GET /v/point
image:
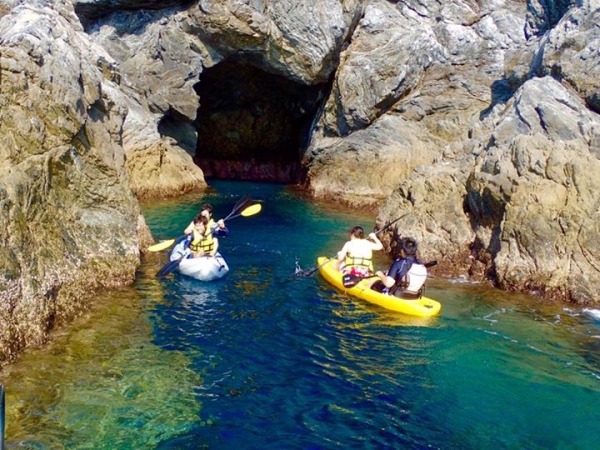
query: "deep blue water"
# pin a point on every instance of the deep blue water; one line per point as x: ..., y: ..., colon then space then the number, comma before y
x: 266, y: 360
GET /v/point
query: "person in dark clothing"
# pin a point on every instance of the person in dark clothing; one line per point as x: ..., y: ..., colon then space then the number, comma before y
x: 406, y: 276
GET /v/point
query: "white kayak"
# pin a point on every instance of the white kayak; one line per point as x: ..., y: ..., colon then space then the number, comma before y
x: 204, y: 268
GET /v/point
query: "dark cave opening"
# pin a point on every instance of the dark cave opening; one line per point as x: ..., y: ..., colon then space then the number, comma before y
x: 253, y: 125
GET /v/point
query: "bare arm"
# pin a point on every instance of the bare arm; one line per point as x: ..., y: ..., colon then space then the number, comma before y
x: 388, y: 282
x: 377, y: 243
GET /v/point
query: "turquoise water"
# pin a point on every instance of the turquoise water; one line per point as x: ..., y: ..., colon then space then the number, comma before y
x: 265, y: 360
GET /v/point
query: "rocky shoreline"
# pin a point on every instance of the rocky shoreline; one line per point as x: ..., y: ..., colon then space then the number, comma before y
x: 478, y: 120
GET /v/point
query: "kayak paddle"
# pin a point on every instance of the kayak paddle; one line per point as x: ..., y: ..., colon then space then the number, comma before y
x: 352, y: 280
x: 248, y: 208
x: 246, y: 204
x: 313, y: 270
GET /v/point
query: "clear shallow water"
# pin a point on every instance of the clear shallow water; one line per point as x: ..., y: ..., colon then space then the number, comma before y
x: 263, y: 360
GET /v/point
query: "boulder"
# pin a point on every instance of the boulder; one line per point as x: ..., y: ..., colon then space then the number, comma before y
x: 522, y: 208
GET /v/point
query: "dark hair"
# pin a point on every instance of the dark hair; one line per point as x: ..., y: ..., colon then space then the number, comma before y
x: 207, y: 207
x: 409, y: 246
x: 358, y: 232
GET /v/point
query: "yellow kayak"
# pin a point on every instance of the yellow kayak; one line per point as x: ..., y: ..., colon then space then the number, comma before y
x: 420, y: 307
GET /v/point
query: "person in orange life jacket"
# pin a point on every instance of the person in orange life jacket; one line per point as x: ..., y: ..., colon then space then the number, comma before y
x: 355, y: 257
x: 406, y: 276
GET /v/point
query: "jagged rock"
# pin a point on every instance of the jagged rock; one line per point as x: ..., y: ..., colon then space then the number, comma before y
x: 430, y: 205
x: 70, y: 223
x: 542, y: 15
x: 534, y: 189
x: 300, y: 40
x: 529, y: 200
x: 363, y: 168
x: 571, y: 52
x: 157, y: 80
x: 163, y: 60
x: 437, y: 67
x: 154, y: 168
x: 385, y: 62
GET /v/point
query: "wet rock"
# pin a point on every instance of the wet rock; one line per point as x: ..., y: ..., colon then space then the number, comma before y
x: 70, y: 223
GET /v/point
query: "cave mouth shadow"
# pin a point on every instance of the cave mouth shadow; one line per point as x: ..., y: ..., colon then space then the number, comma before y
x: 253, y: 125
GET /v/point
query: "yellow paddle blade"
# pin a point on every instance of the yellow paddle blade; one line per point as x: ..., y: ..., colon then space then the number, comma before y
x: 251, y: 210
x: 161, y: 245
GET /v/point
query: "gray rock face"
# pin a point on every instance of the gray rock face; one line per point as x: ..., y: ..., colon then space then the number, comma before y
x: 363, y: 168
x: 522, y: 208
x: 542, y: 15
x: 300, y: 40
x: 157, y: 164
x: 373, y: 73
x: 437, y: 68
x: 570, y: 52
x: 533, y: 197
x: 162, y: 55
x: 70, y: 223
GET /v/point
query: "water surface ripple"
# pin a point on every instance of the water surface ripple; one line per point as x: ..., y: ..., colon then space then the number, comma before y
x: 264, y: 360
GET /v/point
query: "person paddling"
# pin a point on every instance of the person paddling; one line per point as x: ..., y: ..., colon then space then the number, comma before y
x: 355, y: 257
x: 407, y: 274
x: 204, y: 231
x: 218, y: 228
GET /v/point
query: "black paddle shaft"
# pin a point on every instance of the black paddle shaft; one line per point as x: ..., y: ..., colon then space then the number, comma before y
x: 352, y: 280
x: 313, y: 270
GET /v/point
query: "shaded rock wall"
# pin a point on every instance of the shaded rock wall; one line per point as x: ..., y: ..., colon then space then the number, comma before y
x: 70, y: 223
x: 251, y: 123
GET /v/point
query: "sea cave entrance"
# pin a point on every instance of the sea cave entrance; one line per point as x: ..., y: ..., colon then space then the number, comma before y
x: 253, y: 125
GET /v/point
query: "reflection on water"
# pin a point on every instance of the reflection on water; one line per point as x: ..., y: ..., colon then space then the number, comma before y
x: 102, y: 383
x: 265, y: 360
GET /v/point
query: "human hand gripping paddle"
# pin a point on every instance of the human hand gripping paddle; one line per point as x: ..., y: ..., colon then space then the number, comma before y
x: 313, y: 270
x: 245, y: 207
x: 242, y: 204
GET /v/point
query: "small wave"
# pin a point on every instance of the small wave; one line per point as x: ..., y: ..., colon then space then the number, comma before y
x: 463, y: 280
x: 595, y: 313
x: 571, y: 313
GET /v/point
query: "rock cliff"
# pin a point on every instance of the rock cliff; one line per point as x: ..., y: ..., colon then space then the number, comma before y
x: 476, y: 121
x: 70, y: 223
